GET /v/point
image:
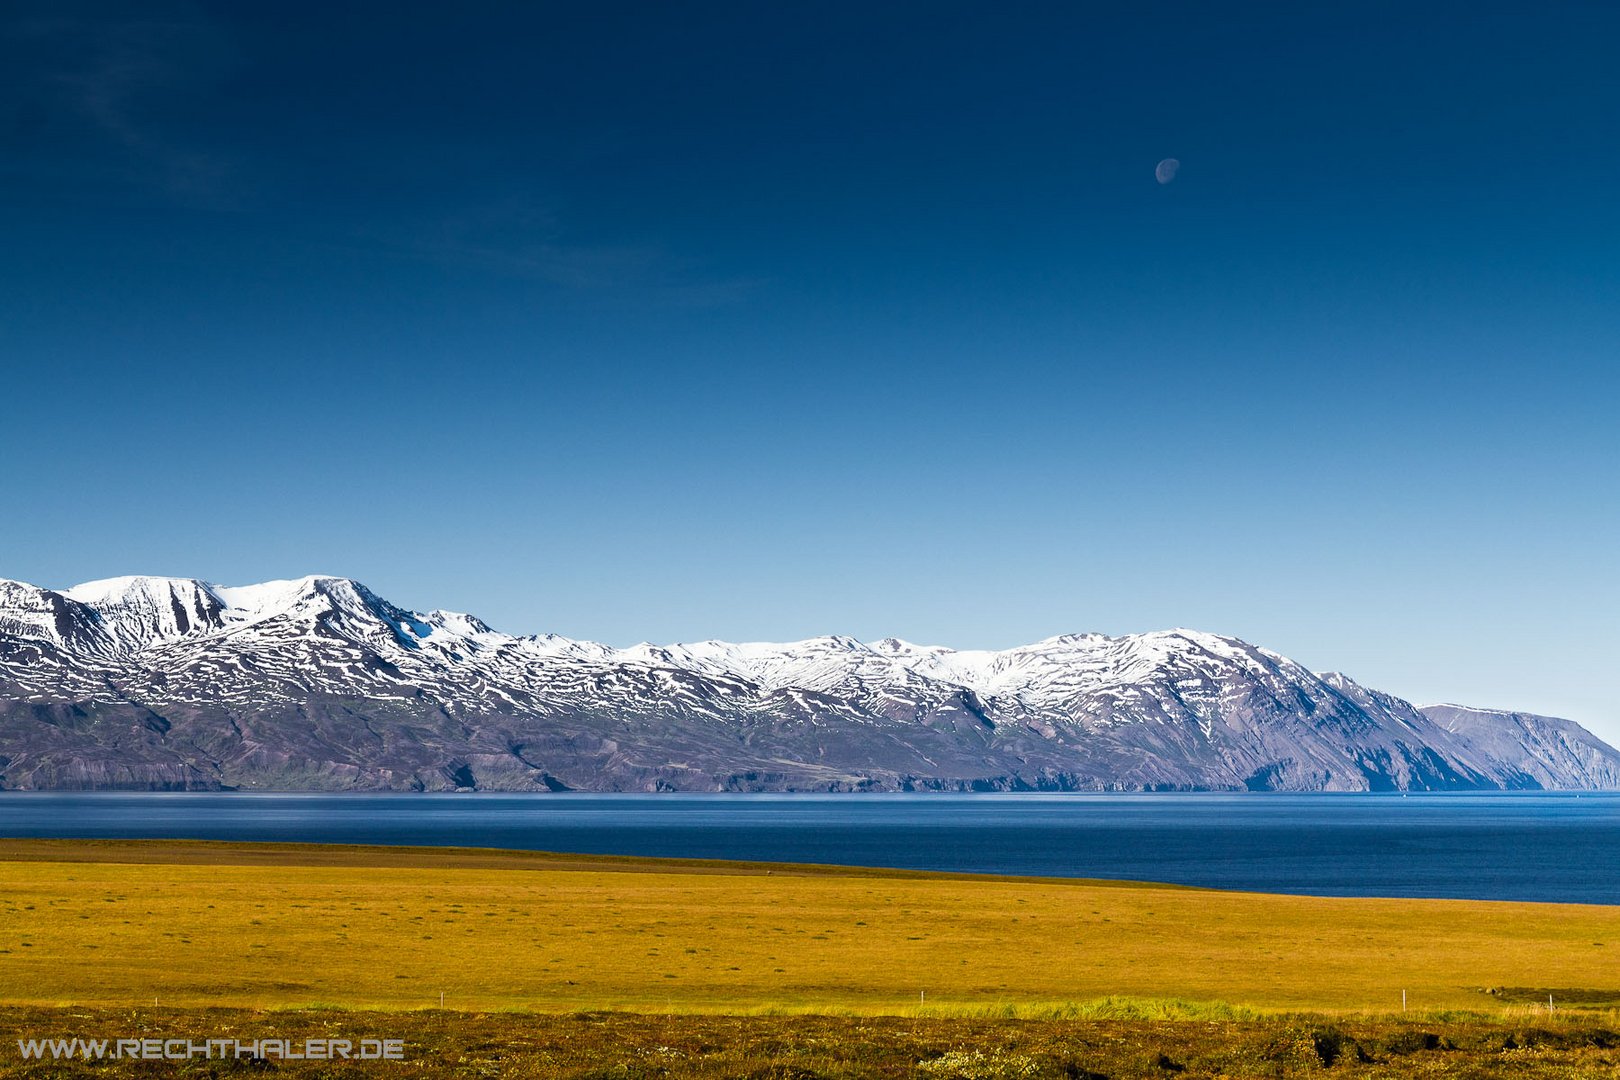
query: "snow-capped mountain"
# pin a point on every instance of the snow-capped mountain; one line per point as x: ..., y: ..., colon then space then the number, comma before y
x: 319, y: 683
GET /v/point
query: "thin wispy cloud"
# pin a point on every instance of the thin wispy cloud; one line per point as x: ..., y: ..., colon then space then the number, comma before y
x: 520, y: 238
x: 134, y: 104
x: 110, y: 86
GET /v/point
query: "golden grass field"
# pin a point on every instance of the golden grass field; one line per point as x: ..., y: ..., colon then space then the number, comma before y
x: 267, y: 926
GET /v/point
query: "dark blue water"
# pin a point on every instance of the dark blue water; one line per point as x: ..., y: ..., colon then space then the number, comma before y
x: 1504, y: 847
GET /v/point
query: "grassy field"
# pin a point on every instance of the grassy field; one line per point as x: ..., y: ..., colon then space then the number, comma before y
x: 186, y: 925
x: 630, y: 1046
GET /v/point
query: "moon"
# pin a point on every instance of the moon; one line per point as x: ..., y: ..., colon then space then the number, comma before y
x: 1165, y: 171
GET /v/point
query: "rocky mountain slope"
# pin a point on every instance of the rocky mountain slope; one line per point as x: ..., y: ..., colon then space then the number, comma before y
x: 1557, y: 753
x: 320, y: 684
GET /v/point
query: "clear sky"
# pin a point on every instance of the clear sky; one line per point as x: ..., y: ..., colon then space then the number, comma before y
x: 761, y: 321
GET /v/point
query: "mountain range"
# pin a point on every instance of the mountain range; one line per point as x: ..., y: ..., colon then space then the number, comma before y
x: 320, y: 684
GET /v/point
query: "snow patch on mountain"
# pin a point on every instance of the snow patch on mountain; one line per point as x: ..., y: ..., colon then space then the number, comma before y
x: 319, y: 681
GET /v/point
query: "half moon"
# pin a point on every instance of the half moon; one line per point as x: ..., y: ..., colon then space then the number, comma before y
x: 1165, y: 171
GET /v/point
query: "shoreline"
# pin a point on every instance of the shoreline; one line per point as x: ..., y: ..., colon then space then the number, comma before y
x: 283, y: 925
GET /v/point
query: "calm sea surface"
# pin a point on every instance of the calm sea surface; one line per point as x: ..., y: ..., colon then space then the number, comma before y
x: 1505, y: 847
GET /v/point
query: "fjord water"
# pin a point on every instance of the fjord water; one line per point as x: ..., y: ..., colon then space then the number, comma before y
x: 1552, y: 847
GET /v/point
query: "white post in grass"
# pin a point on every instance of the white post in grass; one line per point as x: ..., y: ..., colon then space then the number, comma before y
x: 1403, y: 1001
x: 441, y: 999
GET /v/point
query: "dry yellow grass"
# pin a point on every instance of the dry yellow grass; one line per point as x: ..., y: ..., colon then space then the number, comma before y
x: 192, y: 924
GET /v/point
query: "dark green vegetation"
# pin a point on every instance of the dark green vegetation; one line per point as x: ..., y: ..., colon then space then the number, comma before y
x: 625, y: 1046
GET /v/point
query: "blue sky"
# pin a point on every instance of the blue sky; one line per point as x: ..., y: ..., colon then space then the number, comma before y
x: 680, y: 321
